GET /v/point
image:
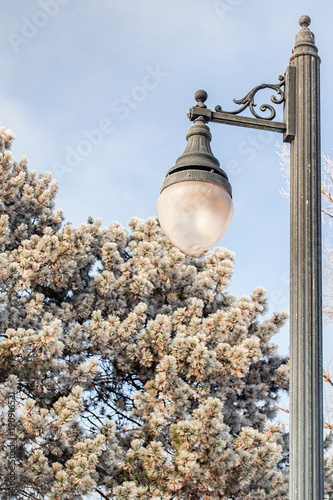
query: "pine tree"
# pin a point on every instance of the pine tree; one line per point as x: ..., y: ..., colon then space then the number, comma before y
x: 126, y: 368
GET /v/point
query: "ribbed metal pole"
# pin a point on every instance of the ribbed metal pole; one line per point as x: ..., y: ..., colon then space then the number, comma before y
x: 306, y: 406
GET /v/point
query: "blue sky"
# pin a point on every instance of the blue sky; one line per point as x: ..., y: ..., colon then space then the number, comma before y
x: 97, y: 93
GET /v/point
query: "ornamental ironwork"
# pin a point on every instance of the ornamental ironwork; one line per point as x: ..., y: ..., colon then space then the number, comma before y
x: 248, y: 100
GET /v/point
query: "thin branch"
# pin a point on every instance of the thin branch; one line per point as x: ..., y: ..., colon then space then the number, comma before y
x: 326, y: 213
x: 95, y: 416
x: 282, y: 409
x: 28, y: 495
x: 116, y: 409
x: 92, y: 423
x: 102, y: 494
x: 327, y: 194
x: 326, y: 377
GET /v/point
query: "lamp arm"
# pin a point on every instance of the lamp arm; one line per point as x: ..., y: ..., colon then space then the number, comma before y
x: 286, y: 96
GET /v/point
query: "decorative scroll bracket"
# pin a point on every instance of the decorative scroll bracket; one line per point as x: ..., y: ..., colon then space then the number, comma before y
x: 287, y: 127
x: 248, y: 100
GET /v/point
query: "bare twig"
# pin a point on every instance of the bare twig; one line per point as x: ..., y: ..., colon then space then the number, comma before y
x: 327, y: 378
x: 282, y: 409
x: 102, y: 494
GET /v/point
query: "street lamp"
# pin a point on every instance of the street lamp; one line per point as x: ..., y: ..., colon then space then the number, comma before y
x: 195, y: 208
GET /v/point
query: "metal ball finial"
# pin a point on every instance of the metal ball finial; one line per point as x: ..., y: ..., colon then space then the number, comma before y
x: 304, y: 21
x: 200, y: 96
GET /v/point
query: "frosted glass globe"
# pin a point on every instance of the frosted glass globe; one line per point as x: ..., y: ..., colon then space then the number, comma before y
x: 194, y: 215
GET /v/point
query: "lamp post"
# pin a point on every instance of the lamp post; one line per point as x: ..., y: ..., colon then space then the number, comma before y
x: 195, y: 208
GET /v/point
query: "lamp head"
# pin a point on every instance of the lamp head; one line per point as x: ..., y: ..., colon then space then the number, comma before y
x: 195, y: 204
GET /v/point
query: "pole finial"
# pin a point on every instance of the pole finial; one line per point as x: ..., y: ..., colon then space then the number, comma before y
x: 201, y: 96
x: 304, y: 37
x: 304, y: 21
